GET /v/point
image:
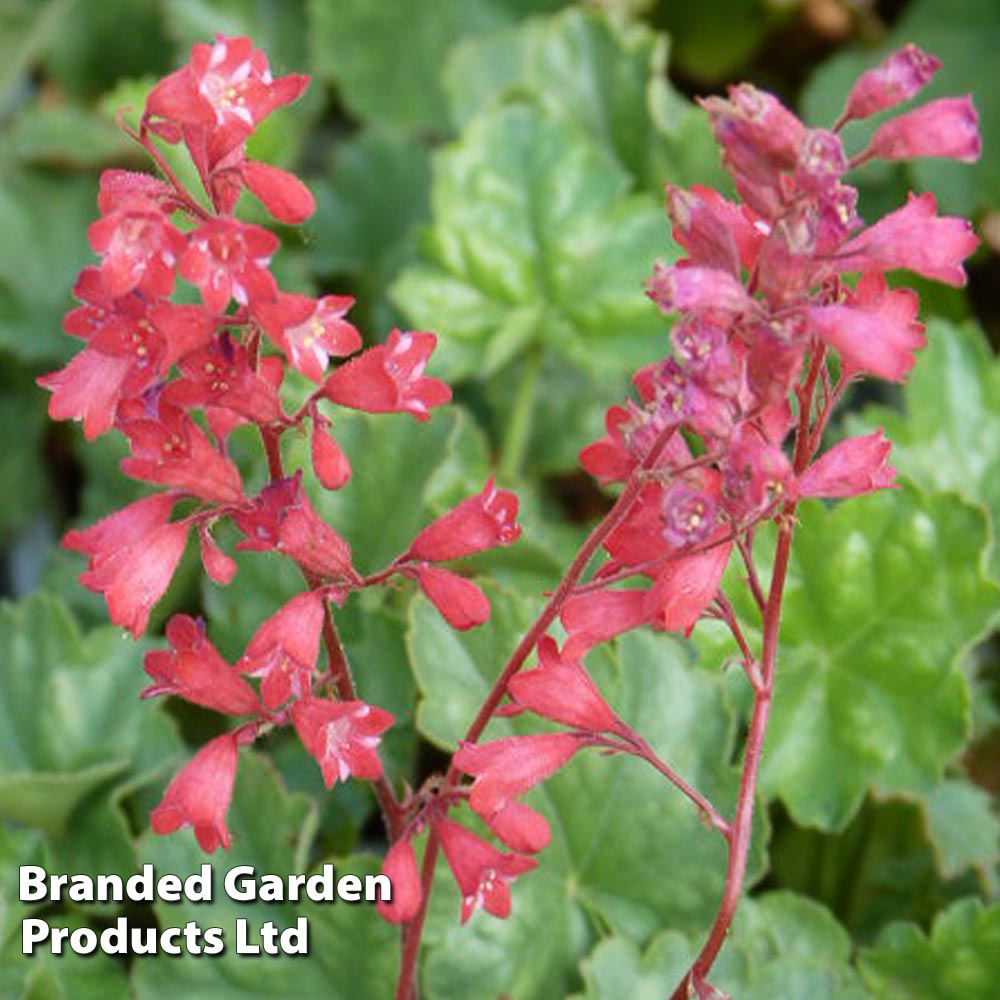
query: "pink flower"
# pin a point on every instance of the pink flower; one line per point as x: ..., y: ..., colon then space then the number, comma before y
x: 507, y: 767
x: 331, y: 465
x: 200, y: 794
x: 219, y: 567
x: 223, y: 92
x: 685, y: 587
x: 590, y: 619
x: 702, y: 231
x: 852, y: 466
x: 284, y: 649
x: 88, y: 389
x: 560, y: 689
x: 947, y: 127
x: 168, y: 447
x: 609, y: 460
x: 400, y: 868
x: 312, y: 543
x: 139, y: 246
x: 310, y: 331
x: 879, y: 333
x: 228, y: 259
x: 133, y: 554
x: 460, y: 601
x: 914, y: 237
x: 194, y: 670
x: 676, y: 287
x: 482, y: 872
x: 281, y: 192
x: 342, y: 736
x: 896, y: 79
x: 520, y: 827
x: 479, y: 522
x: 220, y: 375
x: 390, y: 378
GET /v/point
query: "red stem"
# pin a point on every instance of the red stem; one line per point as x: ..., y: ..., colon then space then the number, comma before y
x: 739, y: 842
x: 406, y: 983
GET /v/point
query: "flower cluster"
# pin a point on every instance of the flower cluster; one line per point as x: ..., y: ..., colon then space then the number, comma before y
x: 775, y: 294
x: 177, y: 378
x: 780, y: 301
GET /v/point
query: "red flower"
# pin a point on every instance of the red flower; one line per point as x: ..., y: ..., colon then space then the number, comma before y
x: 312, y: 543
x: 139, y: 246
x: 509, y: 766
x: 520, y: 827
x: 168, y: 447
x: 194, y: 670
x: 479, y: 522
x: 896, y: 79
x: 310, y: 331
x: 590, y: 619
x: 219, y: 567
x: 281, y: 192
x: 685, y: 587
x: 400, y: 868
x: 947, y: 127
x: 284, y: 648
x: 390, y: 378
x: 878, y: 333
x: 460, y: 601
x: 342, y: 736
x: 679, y: 287
x: 225, y: 91
x: 228, y: 259
x: 332, y: 467
x: 220, y: 375
x: 88, y: 389
x: 133, y: 554
x: 199, y: 795
x: 482, y: 872
x: 852, y: 466
x: 914, y: 237
x: 561, y: 690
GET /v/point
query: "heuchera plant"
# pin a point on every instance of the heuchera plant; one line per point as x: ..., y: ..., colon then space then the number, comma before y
x: 781, y: 302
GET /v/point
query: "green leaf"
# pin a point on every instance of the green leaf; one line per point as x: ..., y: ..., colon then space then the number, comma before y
x: 948, y: 436
x: 390, y: 73
x: 959, y: 961
x: 536, y: 246
x: 455, y: 670
x: 963, y: 34
x: 274, y: 25
x: 44, y: 220
x: 23, y: 480
x: 529, y: 215
x: 27, y: 29
x: 714, y: 38
x: 881, y: 867
x: 621, y: 834
x: 67, y: 135
x: 351, y: 950
x: 606, y: 78
x: 780, y: 945
x: 68, y: 976
x: 883, y: 594
x: 963, y: 827
x: 368, y: 205
x: 97, y: 44
x: 74, y: 739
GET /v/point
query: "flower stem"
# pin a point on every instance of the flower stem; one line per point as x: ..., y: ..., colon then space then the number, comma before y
x: 518, y: 429
x: 406, y: 981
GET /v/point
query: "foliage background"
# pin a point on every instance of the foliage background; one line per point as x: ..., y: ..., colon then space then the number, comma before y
x: 491, y: 169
